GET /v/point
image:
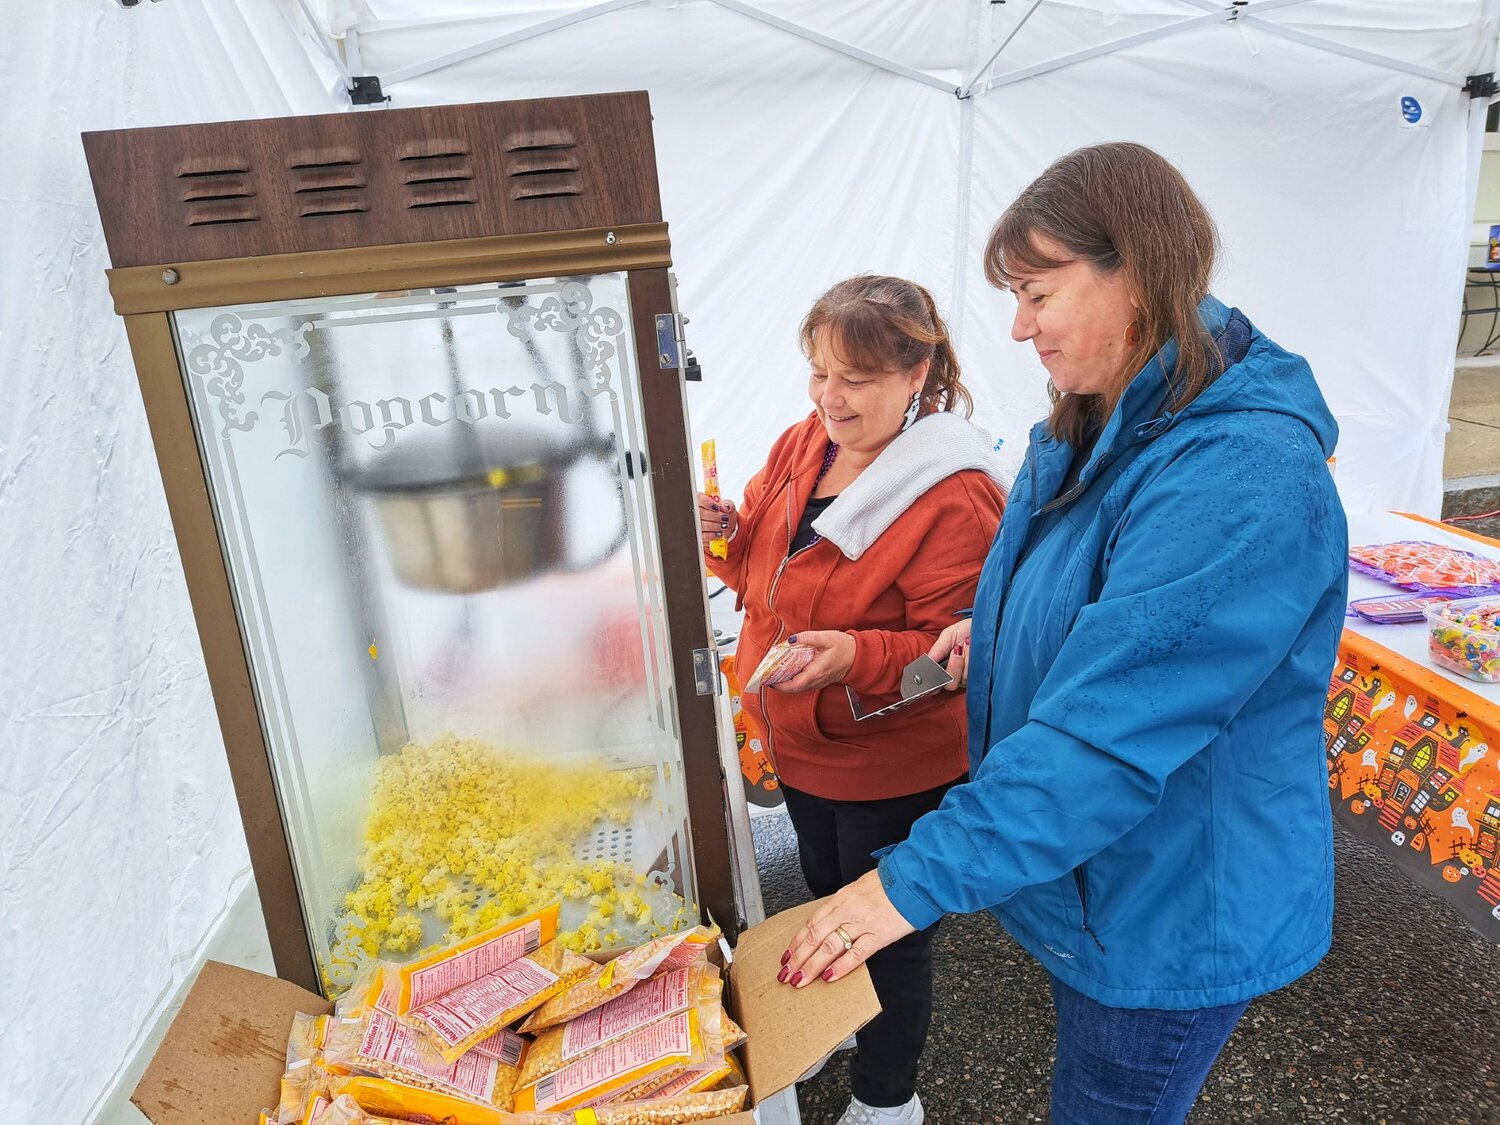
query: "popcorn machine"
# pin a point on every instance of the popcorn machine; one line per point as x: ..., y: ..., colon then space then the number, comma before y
x: 414, y: 379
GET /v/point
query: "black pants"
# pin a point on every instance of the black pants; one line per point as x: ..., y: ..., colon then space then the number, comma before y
x: 834, y: 840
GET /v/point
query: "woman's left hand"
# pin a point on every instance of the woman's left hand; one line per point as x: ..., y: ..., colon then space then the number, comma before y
x: 865, y: 915
x: 833, y: 656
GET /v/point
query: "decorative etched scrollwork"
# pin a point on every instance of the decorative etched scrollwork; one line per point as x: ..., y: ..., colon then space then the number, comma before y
x: 233, y: 343
x: 571, y: 310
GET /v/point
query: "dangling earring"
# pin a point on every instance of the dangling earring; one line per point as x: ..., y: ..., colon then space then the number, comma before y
x: 911, y: 411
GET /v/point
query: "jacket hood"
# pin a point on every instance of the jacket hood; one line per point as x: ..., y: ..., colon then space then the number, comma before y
x: 1265, y: 377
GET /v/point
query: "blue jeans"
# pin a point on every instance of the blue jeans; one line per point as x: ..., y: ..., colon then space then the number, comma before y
x: 1132, y: 1066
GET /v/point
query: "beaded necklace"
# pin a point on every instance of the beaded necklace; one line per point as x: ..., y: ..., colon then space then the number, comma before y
x: 833, y: 451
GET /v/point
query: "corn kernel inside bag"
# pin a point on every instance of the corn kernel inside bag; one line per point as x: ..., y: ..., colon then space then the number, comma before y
x: 377, y: 1043
x: 618, y: 976
x: 455, y: 1021
x: 664, y: 1046
x: 381, y: 1097
x: 697, y: 986
x: 667, y: 1111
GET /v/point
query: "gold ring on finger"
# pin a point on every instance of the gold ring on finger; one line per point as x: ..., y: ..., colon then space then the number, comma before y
x: 843, y: 936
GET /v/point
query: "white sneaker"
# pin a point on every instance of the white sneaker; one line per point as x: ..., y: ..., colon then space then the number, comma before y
x: 817, y: 1067
x: 860, y: 1114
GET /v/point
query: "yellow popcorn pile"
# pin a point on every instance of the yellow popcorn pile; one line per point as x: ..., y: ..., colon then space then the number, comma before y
x: 462, y: 836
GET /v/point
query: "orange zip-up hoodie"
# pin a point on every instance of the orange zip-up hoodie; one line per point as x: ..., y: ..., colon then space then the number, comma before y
x: 895, y: 599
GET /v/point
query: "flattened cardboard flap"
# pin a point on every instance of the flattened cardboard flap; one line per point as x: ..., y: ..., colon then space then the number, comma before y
x: 789, y: 1029
x: 224, y: 1054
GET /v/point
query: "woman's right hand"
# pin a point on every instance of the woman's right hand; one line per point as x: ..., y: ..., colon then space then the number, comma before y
x: 953, y: 646
x: 717, y: 519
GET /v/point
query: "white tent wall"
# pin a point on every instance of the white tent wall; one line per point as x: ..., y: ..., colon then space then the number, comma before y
x: 120, y: 843
x: 1345, y: 228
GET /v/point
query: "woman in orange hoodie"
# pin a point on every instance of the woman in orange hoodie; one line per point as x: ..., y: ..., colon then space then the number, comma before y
x: 861, y: 540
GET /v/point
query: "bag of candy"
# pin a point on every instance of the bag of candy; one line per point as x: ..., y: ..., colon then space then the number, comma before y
x: 780, y: 664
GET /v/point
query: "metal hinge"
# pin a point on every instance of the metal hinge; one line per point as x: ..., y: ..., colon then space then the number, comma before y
x: 671, y: 346
x: 706, y: 671
x: 669, y: 340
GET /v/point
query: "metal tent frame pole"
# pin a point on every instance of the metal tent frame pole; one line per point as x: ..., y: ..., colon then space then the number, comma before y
x: 739, y: 7
x: 1250, y: 14
x: 485, y: 46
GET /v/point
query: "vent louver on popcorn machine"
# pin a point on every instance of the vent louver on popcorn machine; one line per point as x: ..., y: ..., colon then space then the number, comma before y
x: 431, y: 482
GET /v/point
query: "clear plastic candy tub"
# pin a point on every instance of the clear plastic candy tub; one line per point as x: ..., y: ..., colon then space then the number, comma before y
x: 1464, y: 637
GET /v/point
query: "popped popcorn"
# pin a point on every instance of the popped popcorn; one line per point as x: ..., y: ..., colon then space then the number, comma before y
x: 462, y: 836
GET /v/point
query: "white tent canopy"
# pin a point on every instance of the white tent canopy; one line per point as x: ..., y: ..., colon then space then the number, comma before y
x: 799, y: 141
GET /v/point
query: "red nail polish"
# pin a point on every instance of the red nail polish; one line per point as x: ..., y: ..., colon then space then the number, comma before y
x: 781, y: 976
x: 797, y: 978
x: 828, y: 973
x: 787, y: 956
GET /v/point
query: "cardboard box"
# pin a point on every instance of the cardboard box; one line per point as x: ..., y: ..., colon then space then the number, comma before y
x: 224, y: 1054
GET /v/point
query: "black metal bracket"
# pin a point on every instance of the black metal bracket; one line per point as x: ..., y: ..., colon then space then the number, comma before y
x: 364, y: 89
x: 1481, y: 85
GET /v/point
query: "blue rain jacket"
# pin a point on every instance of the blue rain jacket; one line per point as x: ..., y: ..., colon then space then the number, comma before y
x: 1147, y: 810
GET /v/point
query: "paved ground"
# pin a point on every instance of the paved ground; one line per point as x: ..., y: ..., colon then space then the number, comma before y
x: 1400, y: 1025
x: 1473, y: 445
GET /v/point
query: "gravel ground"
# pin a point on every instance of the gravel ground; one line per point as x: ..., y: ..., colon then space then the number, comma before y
x: 1400, y: 1024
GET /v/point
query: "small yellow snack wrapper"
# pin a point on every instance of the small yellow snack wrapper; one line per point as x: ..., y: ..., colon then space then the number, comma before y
x: 377, y: 1043
x: 666, y: 994
x: 718, y: 548
x: 439, y: 974
x: 668, y: 1045
x: 458, y: 1020
x: 617, y: 977
x: 381, y: 1097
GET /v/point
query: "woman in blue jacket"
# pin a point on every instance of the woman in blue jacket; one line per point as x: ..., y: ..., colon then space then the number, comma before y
x: 1152, y: 641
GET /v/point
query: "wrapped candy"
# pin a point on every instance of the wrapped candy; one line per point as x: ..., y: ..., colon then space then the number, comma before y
x: 1418, y: 565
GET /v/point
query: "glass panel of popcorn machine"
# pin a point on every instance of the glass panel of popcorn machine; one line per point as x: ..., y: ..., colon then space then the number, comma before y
x: 439, y: 532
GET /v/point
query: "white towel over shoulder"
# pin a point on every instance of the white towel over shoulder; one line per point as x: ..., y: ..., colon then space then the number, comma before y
x: 932, y: 450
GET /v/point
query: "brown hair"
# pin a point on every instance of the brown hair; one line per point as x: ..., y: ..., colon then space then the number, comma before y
x: 1120, y: 206
x: 888, y: 323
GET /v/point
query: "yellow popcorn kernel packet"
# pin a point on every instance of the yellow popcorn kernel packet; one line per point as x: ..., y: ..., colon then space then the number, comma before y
x: 666, y: 994
x: 668, y: 1045
x: 375, y: 1042
x: 380, y: 1097
x: 715, y: 1068
x: 304, y: 1074
x: 456, y: 1021
x: 667, y: 1111
x: 617, y: 977
x: 438, y: 974
x: 733, y: 1034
